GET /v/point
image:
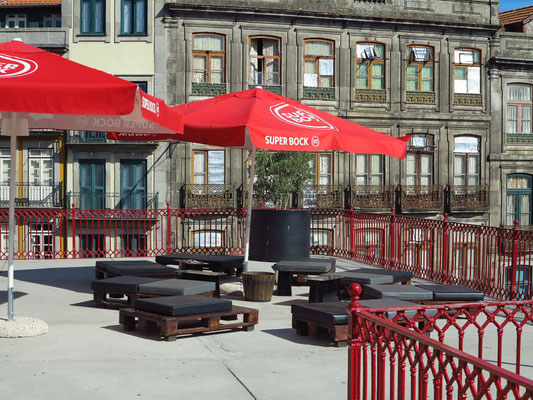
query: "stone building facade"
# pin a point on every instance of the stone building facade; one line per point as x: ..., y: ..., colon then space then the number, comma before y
x: 441, y: 71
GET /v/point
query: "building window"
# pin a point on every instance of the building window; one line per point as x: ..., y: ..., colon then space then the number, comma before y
x: 519, y: 109
x: 132, y: 184
x: 208, y: 167
x: 92, y: 245
x: 92, y: 16
x: 134, y: 245
x: 16, y: 21
x: 92, y: 184
x: 208, y: 58
x: 208, y: 238
x: 467, y: 71
x: 143, y: 85
x: 518, y: 199
x: 134, y: 15
x: 321, y: 168
x: 42, y: 239
x: 264, y: 61
x: 420, y: 69
x: 41, y: 173
x: 52, y: 21
x: 5, y: 159
x: 370, y: 68
x: 419, y: 161
x: 319, y: 61
x: 466, y: 171
x: 369, y: 169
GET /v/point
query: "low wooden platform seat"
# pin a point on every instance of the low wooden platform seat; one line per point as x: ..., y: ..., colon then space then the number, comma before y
x: 148, y: 269
x: 184, y: 315
x: 453, y: 293
x: 332, y: 317
x: 401, y: 292
x: 403, y: 277
x: 111, y: 291
x: 231, y: 265
x: 286, y: 269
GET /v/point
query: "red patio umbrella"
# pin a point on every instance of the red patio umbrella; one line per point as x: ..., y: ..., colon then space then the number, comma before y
x: 257, y: 118
x: 44, y: 90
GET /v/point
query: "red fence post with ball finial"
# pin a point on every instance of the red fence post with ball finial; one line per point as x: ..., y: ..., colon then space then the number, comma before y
x: 355, y: 342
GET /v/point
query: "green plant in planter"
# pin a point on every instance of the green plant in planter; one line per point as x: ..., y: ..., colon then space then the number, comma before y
x: 280, y: 174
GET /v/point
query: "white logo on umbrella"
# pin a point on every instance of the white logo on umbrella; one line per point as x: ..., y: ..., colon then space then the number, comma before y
x: 12, y: 67
x: 300, y: 117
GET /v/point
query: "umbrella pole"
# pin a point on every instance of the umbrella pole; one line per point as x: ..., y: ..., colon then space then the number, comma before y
x: 249, y: 211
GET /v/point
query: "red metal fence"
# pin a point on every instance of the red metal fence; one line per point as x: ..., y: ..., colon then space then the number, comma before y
x: 396, y: 358
x: 495, y: 260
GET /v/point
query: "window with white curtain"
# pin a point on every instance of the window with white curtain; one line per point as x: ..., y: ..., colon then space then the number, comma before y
x: 321, y: 168
x: 319, y: 63
x: 419, y: 161
x: 369, y: 169
x: 265, y: 58
x: 5, y: 159
x: 208, y: 58
x: 519, y: 106
x: 420, y: 69
x: 467, y: 71
x: 370, y: 66
x: 208, y: 167
x: 208, y: 238
x: 466, y: 171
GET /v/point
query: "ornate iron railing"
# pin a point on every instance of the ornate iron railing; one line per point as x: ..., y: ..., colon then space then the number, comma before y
x: 469, y: 198
x: 519, y: 138
x: 468, y: 99
x: 420, y: 97
x: 277, y: 89
x: 208, y: 89
x: 372, y: 197
x: 318, y: 93
x: 420, y: 197
x: 34, y: 195
x: 370, y: 95
x: 99, y: 200
x: 322, y: 196
x: 209, y: 196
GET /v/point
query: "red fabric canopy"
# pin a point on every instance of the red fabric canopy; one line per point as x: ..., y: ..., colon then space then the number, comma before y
x: 265, y: 120
x: 56, y: 93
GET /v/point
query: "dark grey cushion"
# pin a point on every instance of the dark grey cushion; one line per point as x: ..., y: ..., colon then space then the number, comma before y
x: 397, y: 276
x: 102, y: 265
x: 121, y: 284
x: 146, y: 268
x: 331, y: 261
x: 335, y: 313
x: 175, y: 306
x: 402, y: 292
x: 453, y: 293
x: 176, y: 287
x: 303, y: 267
x: 348, y: 277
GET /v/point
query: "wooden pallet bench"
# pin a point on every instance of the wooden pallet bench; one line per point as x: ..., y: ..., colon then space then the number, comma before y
x: 111, y: 299
x: 172, y: 327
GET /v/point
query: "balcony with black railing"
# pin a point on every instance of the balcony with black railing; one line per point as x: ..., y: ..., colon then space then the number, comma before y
x: 469, y: 198
x: 93, y: 137
x: 96, y: 200
x: 322, y: 196
x: 209, y: 196
x: 422, y: 198
x: 34, y: 195
x: 372, y: 197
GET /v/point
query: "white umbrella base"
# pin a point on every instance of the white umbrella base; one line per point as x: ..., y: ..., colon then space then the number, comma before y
x: 22, y: 327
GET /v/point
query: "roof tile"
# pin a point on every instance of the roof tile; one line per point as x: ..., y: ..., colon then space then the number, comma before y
x: 513, y: 16
x: 30, y: 2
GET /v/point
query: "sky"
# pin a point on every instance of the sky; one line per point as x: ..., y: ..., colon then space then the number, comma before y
x: 506, y: 5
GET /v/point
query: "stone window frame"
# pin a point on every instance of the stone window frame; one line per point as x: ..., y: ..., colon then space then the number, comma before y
x: 147, y: 37
x: 78, y: 36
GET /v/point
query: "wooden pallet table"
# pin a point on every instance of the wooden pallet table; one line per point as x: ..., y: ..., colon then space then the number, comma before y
x: 172, y: 327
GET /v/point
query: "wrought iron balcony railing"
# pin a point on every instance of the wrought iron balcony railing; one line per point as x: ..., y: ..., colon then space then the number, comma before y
x: 322, y: 196
x: 34, y: 195
x: 207, y: 196
x: 422, y: 197
x: 93, y: 137
x: 469, y: 198
x: 372, y: 197
x: 99, y: 200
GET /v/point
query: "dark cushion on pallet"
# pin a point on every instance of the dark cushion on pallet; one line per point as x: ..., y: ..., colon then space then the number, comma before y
x: 349, y: 277
x: 176, y: 287
x: 176, y: 306
x: 402, y: 292
x: 331, y: 261
x: 217, y: 262
x: 146, y: 268
x: 303, y: 267
x: 397, y: 276
x: 335, y: 313
x: 453, y: 293
x: 102, y: 265
x: 121, y: 284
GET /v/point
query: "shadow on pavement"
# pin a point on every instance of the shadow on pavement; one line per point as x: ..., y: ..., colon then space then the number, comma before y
x: 76, y: 279
x: 16, y: 295
x: 319, y: 339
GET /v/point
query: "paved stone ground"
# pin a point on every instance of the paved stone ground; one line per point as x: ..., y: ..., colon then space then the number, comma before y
x: 87, y: 355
